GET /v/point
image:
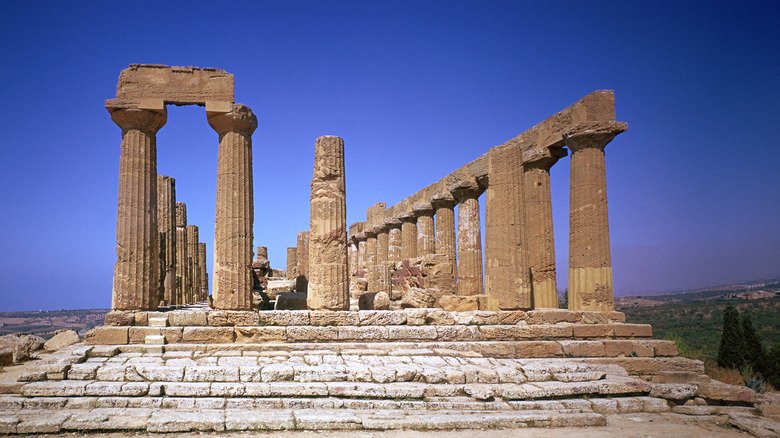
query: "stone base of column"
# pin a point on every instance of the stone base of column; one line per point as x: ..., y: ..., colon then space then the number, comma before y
x: 545, y: 295
x: 591, y: 289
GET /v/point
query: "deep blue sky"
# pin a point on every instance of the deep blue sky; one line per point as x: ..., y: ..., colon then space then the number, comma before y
x: 416, y: 89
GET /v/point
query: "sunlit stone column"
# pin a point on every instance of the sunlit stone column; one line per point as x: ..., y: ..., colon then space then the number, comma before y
x: 469, y: 238
x: 382, y: 242
x: 360, y: 240
x: 352, y: 251
x: 292, y: 263
x: 425, y: 230
x: 235, y: 208
x: 136, y: 272
x: 182, y: 255
x: 204, y: 276
x: 166, y: 224
x: 539, y: 224
x: 370, y: 257
x: 445, y: 240
x: 408, y: 235
x: 393, y: 239
x: 193, y: 237
x: 328, y: 279
x: 302, y: 254
x: 590, y: 267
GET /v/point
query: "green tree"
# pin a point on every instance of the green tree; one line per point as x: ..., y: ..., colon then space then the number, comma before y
x: 731, y: 349
x: 755, y: 353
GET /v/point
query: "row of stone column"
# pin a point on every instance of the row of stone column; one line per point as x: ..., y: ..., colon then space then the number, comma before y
x: 520, y: 270
x: 137, y: 270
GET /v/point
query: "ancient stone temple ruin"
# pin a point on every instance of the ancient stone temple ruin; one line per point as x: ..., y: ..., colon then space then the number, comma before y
x: 402, y: 321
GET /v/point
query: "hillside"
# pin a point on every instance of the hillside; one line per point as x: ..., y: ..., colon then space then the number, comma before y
x: 45, y: 323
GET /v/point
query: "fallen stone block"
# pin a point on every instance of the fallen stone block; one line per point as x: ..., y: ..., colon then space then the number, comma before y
x: 374, y: 301
x: 61, y: 339
x: 291, y: 301
x: 417, y: 298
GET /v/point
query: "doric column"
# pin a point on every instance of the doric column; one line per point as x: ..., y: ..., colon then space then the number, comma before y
x: 302, y: 254
x: 292, y: 263
x: 204, y: 276
x: 136, y: 272
x: 370, y: 257
x: 328, y: 279
x: 382, y: 242
x: 425, y: 230
x: 539, y: 224
x: 408, y: 235
x: 193, y: 236
x: 182, y: 255
x: 166, y: 225
x: 469, y: 238
x: 360, y: 242
x: 393, y: 239
x: 590, y: 267
x: 352, y: 253
x: 235, y: 208
x: 445, y: 241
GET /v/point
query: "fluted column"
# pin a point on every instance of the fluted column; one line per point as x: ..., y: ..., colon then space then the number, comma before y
x: 445, y: 241
x: 302, y: 254
x: 193, y: 236
x: 292, y: 263
x: 166, y: 225
x: 469, y: 238
x: 539, y: 224
x: 393, y: 239
x: 352, y: 252
x: 204, y: 276
x: 425, y: 229
x: 235, y: 208
x: 136, y: 272
x: 382, y: 242
x: 408, y: 235
x: 182, y: 255
x: 590, y: 266
x: 360, y: 242
x: 328, y: 279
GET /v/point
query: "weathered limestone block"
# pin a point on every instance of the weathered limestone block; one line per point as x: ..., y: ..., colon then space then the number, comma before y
x: 469, y: 238
x: 182, y: 255
x: 193, y: 236
x: 119, y: 318
x: 416, y: 297
x: 425, y: 229
x: 107, y: 336
x: 275, y: 287
x: 408, y: 235
x: 208, y: 335
x: 291, y: 301
x: 284, y: 318
x: 188, y: 318
x: 457, y: 303
x: 432, y: 272
x: 374, y: 301
x: 235, y: 208
x: 63, y: 338
x: 328, y: 280
x: 175, y: 85
x: 166, y: 225
x: 232, y: 318
x: 357, y: 286
x: 394, y: 239
x: 590, y: 266
x: 254, y: 335
x: 136, y: 272
x: 333, y: 318
x: 292, y: 262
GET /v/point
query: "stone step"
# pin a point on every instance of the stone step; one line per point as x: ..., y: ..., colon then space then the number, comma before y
x: 50, y: 420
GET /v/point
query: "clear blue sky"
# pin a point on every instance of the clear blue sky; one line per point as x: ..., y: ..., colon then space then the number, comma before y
x: 416, y: 89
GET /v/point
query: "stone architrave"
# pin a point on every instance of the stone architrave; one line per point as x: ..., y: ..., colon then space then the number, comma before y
x: 136, y: 272
x: 193, y: 236
x: 507, y: 275
x: 408, y: 235
x: 166, y: 225
x: 539, y: 224
x: 425, y: 230
x: 204, y: 276
x: 590, y: 266
x: 328, y: 279
x: 469, y: 238
x: 233, y: 279
x: 302, y: 254
x: 182, y: 255
x: 445, y: 240
x: 292, y: 263
x: 393, y: 239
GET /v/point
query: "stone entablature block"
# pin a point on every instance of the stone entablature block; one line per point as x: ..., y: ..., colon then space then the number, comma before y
x: 175, y: 85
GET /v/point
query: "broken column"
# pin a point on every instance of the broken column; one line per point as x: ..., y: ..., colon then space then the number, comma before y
x: 445, y: 240
x: 193, y: 237
x: 393, y: 239
x: 166, y: 225
x: 235, y: 208
x: 204, y: 276
x: 425, y: 230
x: 182, y: 255
x: 292, y: 263
x: 136, y: 272
x: 469, y: 238
x: 590, y: 267
x: 539, y: 224
x: 328, y: 279
x: 408, y: 235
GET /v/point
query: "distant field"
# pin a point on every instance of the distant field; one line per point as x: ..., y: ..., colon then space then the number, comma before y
x: 700, y: 321
x: 45, y: 323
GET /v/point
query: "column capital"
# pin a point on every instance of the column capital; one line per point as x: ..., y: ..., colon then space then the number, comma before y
x: 133, y: 118
x: 543, y: 158
x: 407, y: 216
x: 393, y: 222
x: 423, y: 209
x: 443, y: 200
x: 360, y: 237
x: 463, y: 190
x: 239, y: 119
x: 371, y: 232
x: 381, y: 228
x: 592, y: 134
